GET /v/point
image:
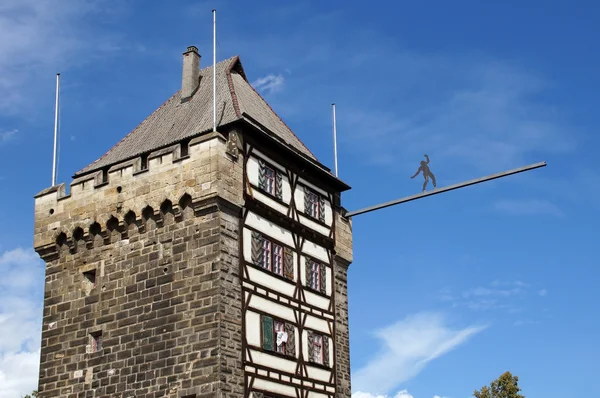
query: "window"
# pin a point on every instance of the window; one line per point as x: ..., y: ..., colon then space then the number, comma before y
x: 314, y: 205
x: 90, y: 277
x: 277, y: 259
x: 279, y: 329
x: 277, y: 336
x: 89, y: 281
x: 270, y: 180
x: 317, y: 354
x: 312, y: 201
x: 96, y: 341
x: 266, y: 255
x: 316, y: 276
x: 272, y: 256
x: 318, y: 348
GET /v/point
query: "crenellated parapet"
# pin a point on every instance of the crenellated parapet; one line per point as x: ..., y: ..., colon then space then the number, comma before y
x: 166, y: 183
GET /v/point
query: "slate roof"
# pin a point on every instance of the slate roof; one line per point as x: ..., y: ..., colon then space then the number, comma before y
x: 174, y: 121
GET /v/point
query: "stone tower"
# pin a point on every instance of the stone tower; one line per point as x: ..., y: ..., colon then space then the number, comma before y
x: 187, y: 262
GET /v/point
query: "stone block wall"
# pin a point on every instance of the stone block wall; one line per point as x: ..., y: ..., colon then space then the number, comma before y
x: 342, y: 261
x: 149, y: 261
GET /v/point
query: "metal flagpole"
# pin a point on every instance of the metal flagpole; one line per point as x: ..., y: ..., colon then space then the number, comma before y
x: 335, y: 157
x: 55, y: 130
x: 445, y: 189
x: 214, y: 70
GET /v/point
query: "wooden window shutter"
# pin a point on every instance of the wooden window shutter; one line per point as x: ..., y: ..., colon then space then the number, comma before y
x: 306, y: 201
x: 256, y: 394
x: 290, y: 345
x: 311, y: 346
x: 262, y: 179
x: 279, y: 185
x: 288, y: 263
x: 321, y: 208
x: 325, y: 350
x: 323, y: 284
x: 307, y: 266
x: 257, y: 248
x: 267, y: 333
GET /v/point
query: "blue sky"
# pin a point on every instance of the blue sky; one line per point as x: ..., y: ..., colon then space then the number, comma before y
x: 446, y: 293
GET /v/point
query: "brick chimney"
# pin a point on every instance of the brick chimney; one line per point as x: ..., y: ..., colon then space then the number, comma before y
x: 191, y: 72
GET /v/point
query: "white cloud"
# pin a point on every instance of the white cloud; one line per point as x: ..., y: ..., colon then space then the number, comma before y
x: 543, y: 292
x: 39, y: 38
x: 399, y: 394
x: 21, y: 291
x: 406, y: 348
x: 5, y: 136
x: 528, y: 207
x: 270, y: 83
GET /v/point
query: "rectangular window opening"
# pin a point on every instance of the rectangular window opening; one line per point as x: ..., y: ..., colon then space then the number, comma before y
x: 90, y: 278
x: 318, y: 349
x: 315, y: 275
x: 313, y: 204
x: 270, y: 184
x: 96, y: 341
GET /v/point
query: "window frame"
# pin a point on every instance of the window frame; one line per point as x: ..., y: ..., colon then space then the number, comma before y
x: 270, y: 180
x: 315, y: 275
x: 283, y: 349
x: 318, y: 337
x: 315, y: 203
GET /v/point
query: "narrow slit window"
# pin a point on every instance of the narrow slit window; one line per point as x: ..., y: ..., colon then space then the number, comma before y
x: 96, y: 341
x: 90, y: 278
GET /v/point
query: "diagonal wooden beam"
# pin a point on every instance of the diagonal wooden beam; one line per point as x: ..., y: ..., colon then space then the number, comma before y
x: 445, y: 189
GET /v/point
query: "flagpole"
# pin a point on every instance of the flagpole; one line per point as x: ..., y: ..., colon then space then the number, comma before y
x: 55, y: 130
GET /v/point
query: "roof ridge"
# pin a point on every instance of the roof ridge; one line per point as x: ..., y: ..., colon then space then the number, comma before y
x: 280, y: 119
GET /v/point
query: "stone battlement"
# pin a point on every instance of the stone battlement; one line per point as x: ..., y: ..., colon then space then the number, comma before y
x: 132, y: 190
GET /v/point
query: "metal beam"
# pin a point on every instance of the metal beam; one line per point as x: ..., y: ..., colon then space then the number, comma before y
x: 445, y: 189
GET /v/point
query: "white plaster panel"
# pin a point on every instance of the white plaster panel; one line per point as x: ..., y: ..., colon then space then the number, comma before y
x: 316, y: 300
x: 268, y: 228
x: 258, y: 195
x: 318, y: 252
x: 272, y: 361
x: 317, y: 324
x: 253, y: 328
x: 312, y: 394
x: 272, y: 308
x: 264, y: 279
x: 313, y: 225
x: 318, y: 373
x: 276, y: 387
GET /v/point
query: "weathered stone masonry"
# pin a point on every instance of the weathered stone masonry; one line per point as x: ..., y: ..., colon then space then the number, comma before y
x: 166, y: 295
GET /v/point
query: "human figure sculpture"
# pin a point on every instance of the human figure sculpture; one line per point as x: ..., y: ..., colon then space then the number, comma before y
x: 427, y: 174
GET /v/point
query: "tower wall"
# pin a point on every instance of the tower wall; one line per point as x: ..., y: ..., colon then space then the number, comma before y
x: 166, y: 294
